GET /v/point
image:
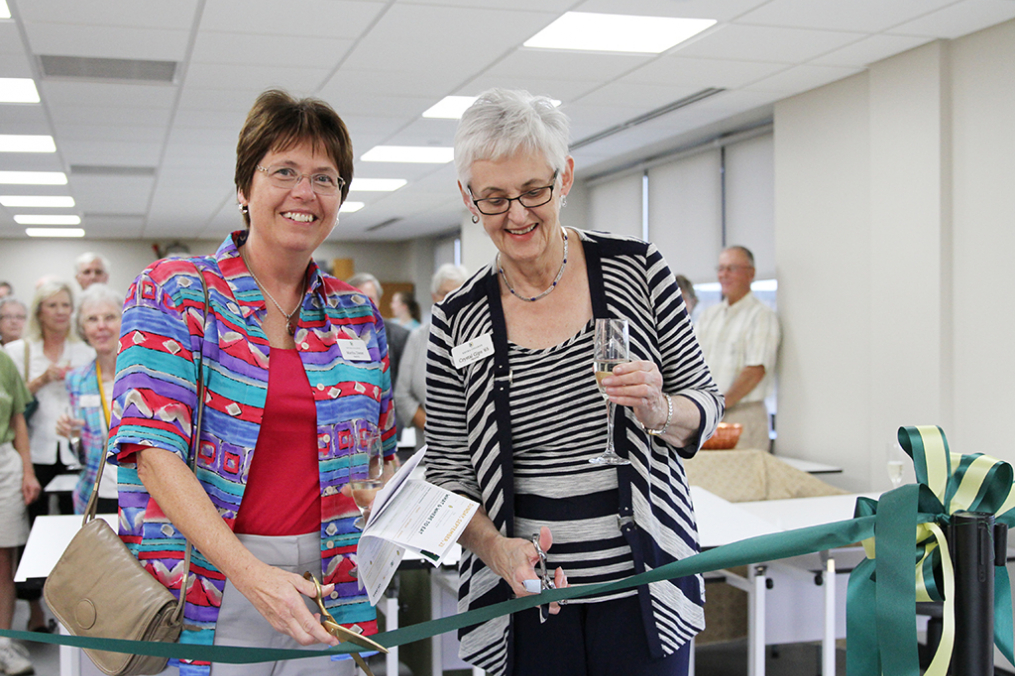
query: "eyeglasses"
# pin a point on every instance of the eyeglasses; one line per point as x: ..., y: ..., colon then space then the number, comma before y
x: 288, y: 178
x: 537, y: 197
x: 731, y: 268
x: 20, y: 317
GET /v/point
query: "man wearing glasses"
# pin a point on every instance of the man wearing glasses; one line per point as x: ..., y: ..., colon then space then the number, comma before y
x: 739, y: 339
x: 12, y: 319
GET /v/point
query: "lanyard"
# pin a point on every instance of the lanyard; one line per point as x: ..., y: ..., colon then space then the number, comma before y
x: 102, y: 392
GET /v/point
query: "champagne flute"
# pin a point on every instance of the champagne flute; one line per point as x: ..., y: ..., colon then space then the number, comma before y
x: 612, y: 347
x: 74, y: 438
x: 896, y: 463
x: 366, y: 476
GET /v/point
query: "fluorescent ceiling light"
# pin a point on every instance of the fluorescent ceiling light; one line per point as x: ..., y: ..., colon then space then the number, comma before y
x: 5, y: 11
x: 450, y: 107
x: 40, y: 201
x: 350, y: 207
x: 55, y: 232
x: 409, y: 154
x: 377, y: 184
x: 24, y: 143
x: 46, y: 219
x: 617, y: 32
x: 33, y: 177
x: 18, y: 90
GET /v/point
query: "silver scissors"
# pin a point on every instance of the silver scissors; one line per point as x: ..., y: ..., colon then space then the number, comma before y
x: 545, y: 578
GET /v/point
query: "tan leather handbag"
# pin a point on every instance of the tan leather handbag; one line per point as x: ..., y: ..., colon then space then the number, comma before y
x: 99, y: 589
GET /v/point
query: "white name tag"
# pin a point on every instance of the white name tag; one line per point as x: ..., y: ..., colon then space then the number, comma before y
x: 472, y: 351
x: 353, y: 350
x: 89, y: 401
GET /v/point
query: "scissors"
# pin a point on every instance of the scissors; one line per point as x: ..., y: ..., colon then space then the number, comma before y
x: 337, y: 630
x: 545, y: 579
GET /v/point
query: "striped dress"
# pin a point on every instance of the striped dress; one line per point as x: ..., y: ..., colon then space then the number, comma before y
x: 471, y: 431
x: 154, y: 397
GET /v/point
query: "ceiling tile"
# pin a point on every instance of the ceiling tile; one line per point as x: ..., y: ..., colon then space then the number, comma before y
x: 107, y: 42
x: 865, y: 16
x: 645, y: 97
x: 10, y: 39
x: 870, y: 50
x: 565, y: 65
x: 304, y: 18
x: 112, y: 194
x: 347, y: 82
x: 278, y: 50
x: 112, y: 94
x: 130, y: 154
x: 163, y: 14
x: 760, y: 43
x: 102, y: 133
x: 702, y: 73
x: 802, y: 78
x: 959, y: 19
x: 564, y: 90
x: 231, y: 76
x: 15, y: 65
x: 112, y: 115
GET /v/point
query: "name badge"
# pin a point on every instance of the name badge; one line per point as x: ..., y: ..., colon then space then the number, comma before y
x: 353, y: 350
x: 89, y: 401
x: 472, y: 351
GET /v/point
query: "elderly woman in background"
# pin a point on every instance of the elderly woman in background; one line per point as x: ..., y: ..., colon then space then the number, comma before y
x: 516, y: 425
x: 90, y: 389
x: 18, y: 487
x: 293, y: 360
x: 13, y: 315
x: 410, y: 390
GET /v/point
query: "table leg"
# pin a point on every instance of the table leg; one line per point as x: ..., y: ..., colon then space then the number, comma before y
x: 828, y: 642
x: 756, y: 622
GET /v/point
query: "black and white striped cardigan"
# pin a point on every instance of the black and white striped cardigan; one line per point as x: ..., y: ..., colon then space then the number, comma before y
x: 468, y: 433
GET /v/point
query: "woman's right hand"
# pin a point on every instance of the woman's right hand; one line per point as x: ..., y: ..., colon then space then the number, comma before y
x: 69, y: 427
x: 278, y: 596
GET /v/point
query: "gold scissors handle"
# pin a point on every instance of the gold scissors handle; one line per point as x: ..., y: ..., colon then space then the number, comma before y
x: 337, y: 630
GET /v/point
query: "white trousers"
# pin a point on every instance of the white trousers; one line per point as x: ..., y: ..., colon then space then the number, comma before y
x: 240, y: 624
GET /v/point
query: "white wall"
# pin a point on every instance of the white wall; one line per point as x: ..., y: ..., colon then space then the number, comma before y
x: 894, y: 215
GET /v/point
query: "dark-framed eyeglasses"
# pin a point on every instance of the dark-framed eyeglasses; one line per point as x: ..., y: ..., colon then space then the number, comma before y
x: 287, y: 178
x: 530, y: 199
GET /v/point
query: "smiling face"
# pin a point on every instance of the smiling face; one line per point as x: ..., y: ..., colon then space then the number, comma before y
x: 735, y: 274
x: 522, y: 235
x: 92, y: 272
x: 100, y: 324
x: 296, y: 219
x: 55, y: 313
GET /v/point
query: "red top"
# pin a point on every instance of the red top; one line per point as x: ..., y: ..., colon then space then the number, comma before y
x: 283, y: 493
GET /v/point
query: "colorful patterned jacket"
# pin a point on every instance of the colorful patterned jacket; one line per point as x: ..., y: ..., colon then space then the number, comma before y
x: 83, y: 389
x: 154, y: 399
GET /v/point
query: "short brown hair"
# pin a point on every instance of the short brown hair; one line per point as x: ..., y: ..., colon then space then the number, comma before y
x: 278, y: 122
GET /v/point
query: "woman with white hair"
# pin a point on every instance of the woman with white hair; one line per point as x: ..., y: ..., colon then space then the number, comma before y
x: 43, y: 357
x: 514, y: 426
x: 410, y: 390
x: 90, y: 389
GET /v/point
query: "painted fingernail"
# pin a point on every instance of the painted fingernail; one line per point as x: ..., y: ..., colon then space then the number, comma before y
x: 532, y: 586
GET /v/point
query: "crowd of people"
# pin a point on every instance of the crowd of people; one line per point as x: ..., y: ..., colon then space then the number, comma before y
x: 289, y: 365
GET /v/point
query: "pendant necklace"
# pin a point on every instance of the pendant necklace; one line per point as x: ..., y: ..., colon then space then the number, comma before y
x: 288, y: 315
x: 533, y: 299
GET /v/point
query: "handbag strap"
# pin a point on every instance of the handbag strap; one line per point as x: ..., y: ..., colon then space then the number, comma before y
x: 195, y: 441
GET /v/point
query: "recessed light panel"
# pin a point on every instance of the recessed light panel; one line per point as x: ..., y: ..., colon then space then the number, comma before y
x: 33, y: 177
x: 46, y: 219
x: 18, y: 90
x: 450, y: 107
x: 350, y: 207
x: 5, y: 11
x: 25, y: 143
x: 55, y: 232
x: 590, y: 32
x: 409, y: 154
x: 37, y: 201
x: 376, y: 184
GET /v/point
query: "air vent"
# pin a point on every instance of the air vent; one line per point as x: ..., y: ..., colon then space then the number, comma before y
x: 650, y: 115
x: 101, y: 170
x: 108, y: 69
x: 383, y: 224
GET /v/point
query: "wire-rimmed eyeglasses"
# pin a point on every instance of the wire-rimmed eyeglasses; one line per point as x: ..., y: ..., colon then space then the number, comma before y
x: 288, y: 178
x: 530, y: 199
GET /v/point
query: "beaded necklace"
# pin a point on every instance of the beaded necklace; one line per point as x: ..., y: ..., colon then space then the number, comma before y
x: 560, y: 273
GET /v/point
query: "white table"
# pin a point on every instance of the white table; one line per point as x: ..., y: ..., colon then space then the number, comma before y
x: 810, y: 466
x: 721, y: 522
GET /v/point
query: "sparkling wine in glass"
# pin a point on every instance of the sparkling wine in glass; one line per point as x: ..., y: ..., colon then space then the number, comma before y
x: 612, y: 347
x: 366, y: 477
x: 75, y: 433
x: 896, y: 463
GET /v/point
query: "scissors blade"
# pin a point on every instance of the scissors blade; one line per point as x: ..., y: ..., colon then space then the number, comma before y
x: 337, y: 630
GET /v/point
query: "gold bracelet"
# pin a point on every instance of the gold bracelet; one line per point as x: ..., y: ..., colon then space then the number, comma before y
x: 669, y: 417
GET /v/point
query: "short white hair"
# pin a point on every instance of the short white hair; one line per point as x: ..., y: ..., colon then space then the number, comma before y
x: 503, y: 122
x: 97, y: 294
x: 89, y: 256
x: 449, y: 272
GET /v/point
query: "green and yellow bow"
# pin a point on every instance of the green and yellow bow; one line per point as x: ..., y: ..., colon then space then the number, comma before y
x: 884, y: 589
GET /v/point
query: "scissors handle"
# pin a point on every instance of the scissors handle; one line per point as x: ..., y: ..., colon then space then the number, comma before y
x: 337, y: 630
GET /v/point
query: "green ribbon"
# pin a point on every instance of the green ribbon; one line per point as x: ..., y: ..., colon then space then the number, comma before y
x: 909, y: 562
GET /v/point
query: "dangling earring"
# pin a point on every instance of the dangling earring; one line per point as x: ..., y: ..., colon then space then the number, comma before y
x: 563, y: 201
x: 243, y: 208
x: 475, y: 218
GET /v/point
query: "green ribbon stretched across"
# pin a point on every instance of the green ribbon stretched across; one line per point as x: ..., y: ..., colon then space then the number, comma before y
x: 883, y: 590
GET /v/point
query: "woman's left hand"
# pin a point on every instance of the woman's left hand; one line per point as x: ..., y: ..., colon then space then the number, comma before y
x: 30, y: 487
x: 639, y: 386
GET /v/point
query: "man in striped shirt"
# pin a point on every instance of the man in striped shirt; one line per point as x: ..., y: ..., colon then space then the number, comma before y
x: 739, y: 338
